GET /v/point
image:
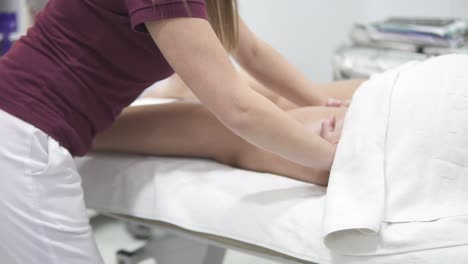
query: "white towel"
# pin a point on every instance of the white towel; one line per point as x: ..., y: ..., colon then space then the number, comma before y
x: 259, y: 209
x: 400, y: 178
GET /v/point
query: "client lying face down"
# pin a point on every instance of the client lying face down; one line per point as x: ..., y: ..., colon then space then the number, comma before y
x: 190, y: 130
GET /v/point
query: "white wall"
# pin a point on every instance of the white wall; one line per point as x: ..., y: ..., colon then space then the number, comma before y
x: 377, y: 9
x: 25, y: 16
x: 307, y: 32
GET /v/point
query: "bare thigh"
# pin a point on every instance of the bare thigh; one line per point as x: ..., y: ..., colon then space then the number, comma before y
x: 175, y: 129
x: 183, y: 129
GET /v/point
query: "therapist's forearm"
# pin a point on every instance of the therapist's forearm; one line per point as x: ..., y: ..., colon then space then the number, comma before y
x: 274, y: 71
x: 194, y: 52
x: 263, y: 124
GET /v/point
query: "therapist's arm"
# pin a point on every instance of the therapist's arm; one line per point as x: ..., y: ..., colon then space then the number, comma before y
x: 271, y: 69
x: 193, y: 50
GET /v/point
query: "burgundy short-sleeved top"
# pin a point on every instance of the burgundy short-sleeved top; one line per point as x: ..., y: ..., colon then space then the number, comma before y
x: 83, y: 62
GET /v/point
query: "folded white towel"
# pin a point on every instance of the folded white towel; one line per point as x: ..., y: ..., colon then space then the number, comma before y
x: 400, y: 178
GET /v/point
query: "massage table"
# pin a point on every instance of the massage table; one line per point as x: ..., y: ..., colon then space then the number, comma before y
x: 194, y: 210
x: 206, y: 206
x: 257, y: 213
x: 197, y: 209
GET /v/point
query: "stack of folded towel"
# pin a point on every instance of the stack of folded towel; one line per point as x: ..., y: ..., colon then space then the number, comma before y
x: 412, y: 33
x: 379, y: 46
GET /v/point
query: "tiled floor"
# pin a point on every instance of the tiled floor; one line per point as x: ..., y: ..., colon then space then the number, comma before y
x: 112, y: 236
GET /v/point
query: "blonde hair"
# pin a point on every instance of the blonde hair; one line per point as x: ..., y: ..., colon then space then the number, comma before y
x: 224, y: 18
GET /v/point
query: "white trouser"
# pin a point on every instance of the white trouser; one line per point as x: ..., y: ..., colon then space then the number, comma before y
x: 43, y: 219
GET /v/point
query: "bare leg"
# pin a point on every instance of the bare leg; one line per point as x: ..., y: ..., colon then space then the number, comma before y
x: 342, y: 90
x: 173, y: 87
x: 189, y: 129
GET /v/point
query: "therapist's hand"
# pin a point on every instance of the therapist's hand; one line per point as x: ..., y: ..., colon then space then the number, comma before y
x: 331, y: 130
